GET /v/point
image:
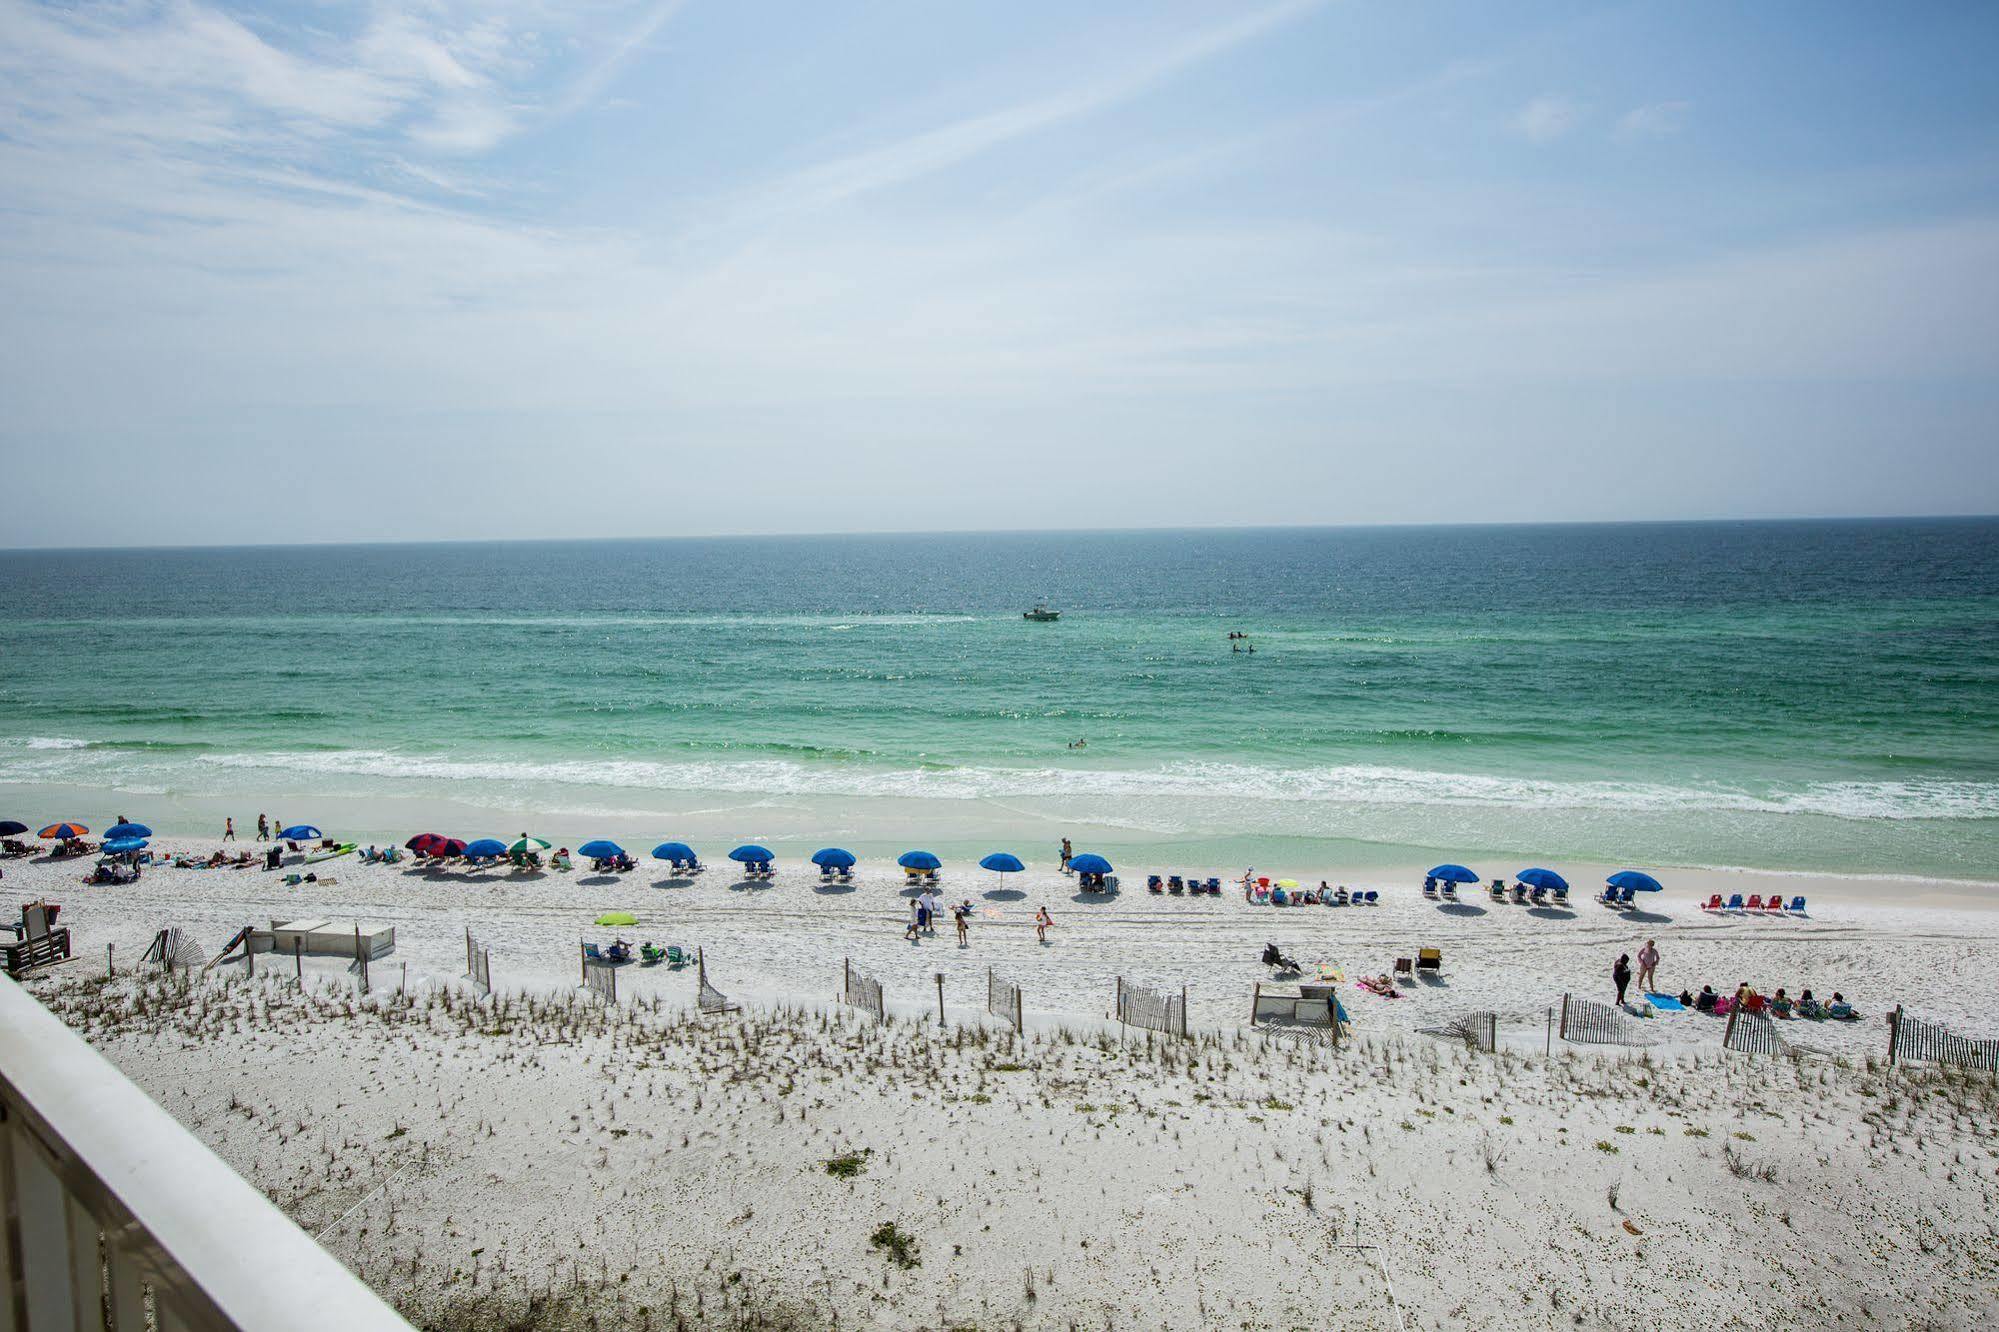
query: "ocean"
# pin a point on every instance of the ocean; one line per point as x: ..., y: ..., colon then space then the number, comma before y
x: 1809, y: 696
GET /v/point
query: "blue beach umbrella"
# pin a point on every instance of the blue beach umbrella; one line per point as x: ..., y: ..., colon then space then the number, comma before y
x: 120, y: 831
x: 919, y: 860
x: 1089, y: 864
x: 12, y: 827
x: 833, y: 857
x: 749, y: 853
x: 673, y: 851
x: 486, y: 846
x: 1543, y: 878
x: 305, y: 832
x: 1638, y: 881
x: 1453, y: 874
x: 118, y: 846
x: 601, y: 849
x: 1002, y: 862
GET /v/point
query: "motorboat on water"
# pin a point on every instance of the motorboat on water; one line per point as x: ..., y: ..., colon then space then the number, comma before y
x: 1042, y: 613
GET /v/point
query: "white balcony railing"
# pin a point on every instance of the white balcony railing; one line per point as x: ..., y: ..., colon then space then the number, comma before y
x: 114, y: 1217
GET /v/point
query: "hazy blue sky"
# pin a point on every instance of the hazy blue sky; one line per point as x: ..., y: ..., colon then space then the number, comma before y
x: 453, y: 269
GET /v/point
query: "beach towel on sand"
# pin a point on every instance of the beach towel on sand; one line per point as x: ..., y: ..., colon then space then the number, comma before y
x: 1666, y: 1003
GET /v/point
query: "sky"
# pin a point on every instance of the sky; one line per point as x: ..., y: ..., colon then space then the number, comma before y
x: 434, y: 269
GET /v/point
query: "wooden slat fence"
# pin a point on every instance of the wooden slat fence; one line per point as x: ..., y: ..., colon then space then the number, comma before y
x: 1752, y: 1033
x: 860, y: 990
x: 1587, y: 1022
x: 478, y: 963
x: 1003, y: 999
x: 1910, y: 1039
x: 1152, y: 1010
x: 711, y: 999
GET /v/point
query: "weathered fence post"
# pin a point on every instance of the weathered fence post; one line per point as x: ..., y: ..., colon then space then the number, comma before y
x: 940, y: 998
x: 109, y: 970
x: 1565, y: 1017
x: 1894, y: 1033
x: 298, y: 961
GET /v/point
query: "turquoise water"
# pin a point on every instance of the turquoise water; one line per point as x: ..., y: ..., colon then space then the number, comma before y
x: 1812, y: 696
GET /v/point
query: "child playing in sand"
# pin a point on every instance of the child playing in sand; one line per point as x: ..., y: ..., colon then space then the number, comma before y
x: 1042, y: 920
x: 963, y: 913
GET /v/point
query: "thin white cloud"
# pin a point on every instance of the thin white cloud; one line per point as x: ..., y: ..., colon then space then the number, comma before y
x: 1546, y: 119
x: 947, y: 145
x: 473, y: 125
x: 592, y: 83
x: 1655, y: 120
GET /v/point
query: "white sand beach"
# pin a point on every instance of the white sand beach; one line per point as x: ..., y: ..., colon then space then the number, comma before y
x: 530, y: 1159
x: 1931, y: 946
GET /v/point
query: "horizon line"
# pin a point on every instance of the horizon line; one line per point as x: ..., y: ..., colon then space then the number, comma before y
x: 1209, y: 528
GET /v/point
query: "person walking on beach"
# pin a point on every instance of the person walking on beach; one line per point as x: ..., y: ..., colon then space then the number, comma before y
x: 1042, y: 922
x: 915, y: 920
x: 1648, y: 966
x: 963, y: 914
x: 1620, y: 974
x: 263, y: 829
x: 1067, y: 852
x: 228, y: 829
x: 923, y: 915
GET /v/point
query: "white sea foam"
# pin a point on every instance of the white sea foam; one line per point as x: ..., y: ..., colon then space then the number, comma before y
x: 1340, y: 785
x: 54, y: 742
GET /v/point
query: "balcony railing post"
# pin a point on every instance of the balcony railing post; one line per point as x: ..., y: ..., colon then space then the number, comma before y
x: 106, y: 1202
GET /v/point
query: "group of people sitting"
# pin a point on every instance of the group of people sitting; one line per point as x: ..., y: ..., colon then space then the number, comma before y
x: 374, y: 855
x: 1260, y: 892
x: 13, y: 846
x: 220, y: 860
x: 618, y: 952
x: 1780, y: 1005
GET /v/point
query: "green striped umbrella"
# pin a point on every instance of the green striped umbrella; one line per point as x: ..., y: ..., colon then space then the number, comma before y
x: 528, y: 844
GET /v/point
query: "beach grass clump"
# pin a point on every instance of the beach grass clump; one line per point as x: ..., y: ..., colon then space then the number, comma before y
x: 897, y: 1243
x: 849, y: 1165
